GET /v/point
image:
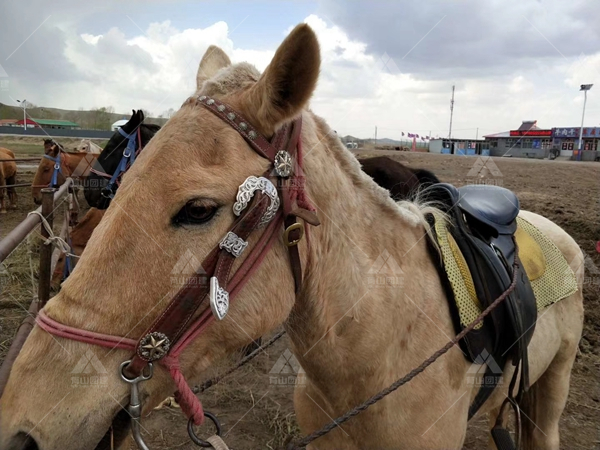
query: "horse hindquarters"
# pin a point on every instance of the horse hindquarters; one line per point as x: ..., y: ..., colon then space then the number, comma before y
x: 552, y: 350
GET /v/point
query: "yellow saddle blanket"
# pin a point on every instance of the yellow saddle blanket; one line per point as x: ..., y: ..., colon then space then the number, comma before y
x: 549, y: 273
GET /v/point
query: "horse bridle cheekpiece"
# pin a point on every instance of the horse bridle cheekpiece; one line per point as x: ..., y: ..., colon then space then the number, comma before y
x: 260, y: 204
x: 57, y: 168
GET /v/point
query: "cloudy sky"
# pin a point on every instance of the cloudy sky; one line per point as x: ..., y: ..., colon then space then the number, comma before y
x: 389, y: 64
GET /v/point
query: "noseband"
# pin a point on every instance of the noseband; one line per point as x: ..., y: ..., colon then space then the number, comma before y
x: 260, y: 204
x: 128, y: 158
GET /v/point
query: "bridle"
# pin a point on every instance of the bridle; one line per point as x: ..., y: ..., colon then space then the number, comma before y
x: 127, y: 159
x: 57, y: 168
x: 260, y: 204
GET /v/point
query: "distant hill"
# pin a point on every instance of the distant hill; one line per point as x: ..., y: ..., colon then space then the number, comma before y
x: 361, y: 142
x: 96, y: 119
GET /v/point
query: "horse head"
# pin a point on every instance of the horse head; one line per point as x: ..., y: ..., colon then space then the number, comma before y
x: 154, y: 235
x: 100, y: 187
x: 49, y: 171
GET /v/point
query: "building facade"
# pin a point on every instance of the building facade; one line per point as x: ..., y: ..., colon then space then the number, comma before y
x: 531, y: 141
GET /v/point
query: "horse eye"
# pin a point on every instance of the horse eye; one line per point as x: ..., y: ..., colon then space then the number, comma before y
x: 196, y: 212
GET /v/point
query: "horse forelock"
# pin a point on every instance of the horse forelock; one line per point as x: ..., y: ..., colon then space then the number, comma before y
x: 230, y: 79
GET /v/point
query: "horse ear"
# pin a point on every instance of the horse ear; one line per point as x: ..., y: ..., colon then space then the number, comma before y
x: 288, y: 82
x: 141, y: 116
x: 55, y: 150
x: 213, y: 60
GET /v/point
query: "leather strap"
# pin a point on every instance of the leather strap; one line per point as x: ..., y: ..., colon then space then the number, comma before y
x: 174, y: 320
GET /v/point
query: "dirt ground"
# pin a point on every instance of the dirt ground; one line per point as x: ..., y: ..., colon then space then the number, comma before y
x: 256, y: 411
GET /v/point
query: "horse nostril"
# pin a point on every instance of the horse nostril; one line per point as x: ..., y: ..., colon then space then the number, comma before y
x: 22, y: 441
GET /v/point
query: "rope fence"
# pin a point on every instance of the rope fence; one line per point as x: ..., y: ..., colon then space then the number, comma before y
x: 8, y: 186
x: 36, y: 158
x: 44, y: 215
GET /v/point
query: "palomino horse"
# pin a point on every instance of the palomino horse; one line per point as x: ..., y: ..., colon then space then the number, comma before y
x: 56, y: 166
x: 8, y: 175
x: 352, y: 341
x: 116, y: 158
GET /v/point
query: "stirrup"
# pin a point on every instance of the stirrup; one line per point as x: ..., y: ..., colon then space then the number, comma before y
x: 500, y: 433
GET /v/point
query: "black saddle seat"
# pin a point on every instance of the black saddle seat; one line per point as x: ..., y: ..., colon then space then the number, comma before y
x: 495, y: 206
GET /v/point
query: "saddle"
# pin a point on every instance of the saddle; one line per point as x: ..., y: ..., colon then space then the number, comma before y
x: 483, y: 222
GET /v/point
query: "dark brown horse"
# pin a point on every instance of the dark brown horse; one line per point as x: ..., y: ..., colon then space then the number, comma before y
x: 403, y: 182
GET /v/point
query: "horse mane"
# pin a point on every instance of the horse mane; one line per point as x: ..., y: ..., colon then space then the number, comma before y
x: 151, y: 127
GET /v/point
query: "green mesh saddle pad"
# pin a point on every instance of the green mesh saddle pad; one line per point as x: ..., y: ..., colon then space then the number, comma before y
x: 549, y: 273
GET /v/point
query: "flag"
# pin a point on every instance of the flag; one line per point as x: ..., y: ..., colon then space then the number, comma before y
x: 422, y: 138
x: 403, y: 133
x: 416, y: 135
x: 427, y: 137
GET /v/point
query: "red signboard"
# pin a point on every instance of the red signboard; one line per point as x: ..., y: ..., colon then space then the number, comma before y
x: 531, y: 133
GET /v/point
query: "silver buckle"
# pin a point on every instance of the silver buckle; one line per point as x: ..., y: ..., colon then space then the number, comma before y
x: 246, y: 192
x: 233, y: 244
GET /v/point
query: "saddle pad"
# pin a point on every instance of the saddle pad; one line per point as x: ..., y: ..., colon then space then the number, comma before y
x: 549, y: 273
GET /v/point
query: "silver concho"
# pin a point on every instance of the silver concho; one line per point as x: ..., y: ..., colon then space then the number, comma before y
x: 154, y: 346
x: 219, y: 299
x: 246, y: 192
x: 233, y: 244
x: 283, y: 164
x: 210, y: 101
x: 221, y: 108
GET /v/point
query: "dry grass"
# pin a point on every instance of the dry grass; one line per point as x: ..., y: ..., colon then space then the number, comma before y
x: 18, y: 288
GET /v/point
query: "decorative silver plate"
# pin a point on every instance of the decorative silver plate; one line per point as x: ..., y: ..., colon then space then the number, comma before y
x: 246, y: 192
x: 154, y: 346
x: 283, y: 164
x: 219, y: 299
x: 233, y: 244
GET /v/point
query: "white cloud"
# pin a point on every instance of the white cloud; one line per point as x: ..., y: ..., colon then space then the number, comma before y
x: 358, y: 89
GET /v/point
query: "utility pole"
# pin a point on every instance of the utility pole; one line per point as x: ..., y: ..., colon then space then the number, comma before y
x: 584, y: 88
x: 376, y: 135
x: 24, y: 105
x: 451, y: 113
x: 477, y: 134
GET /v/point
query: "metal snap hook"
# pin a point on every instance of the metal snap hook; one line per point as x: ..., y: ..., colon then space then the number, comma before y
x: 195, y: 439
x: 135, y: 405
x: 141, y: 377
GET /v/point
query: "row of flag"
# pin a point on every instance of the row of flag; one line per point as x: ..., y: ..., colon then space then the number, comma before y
x: 416, y: 136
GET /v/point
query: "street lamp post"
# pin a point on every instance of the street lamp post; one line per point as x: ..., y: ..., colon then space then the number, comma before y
x: 24, y: 105
x: 584, y: 88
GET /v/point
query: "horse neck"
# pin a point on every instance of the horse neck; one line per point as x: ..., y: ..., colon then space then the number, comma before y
x: 145, y: 135
x: 68, y: 163
x: 359, y: 224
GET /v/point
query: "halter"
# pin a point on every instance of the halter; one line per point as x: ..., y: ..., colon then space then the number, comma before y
x: 57, y: 168
x: 128, y: 158
x: 260, y: 204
